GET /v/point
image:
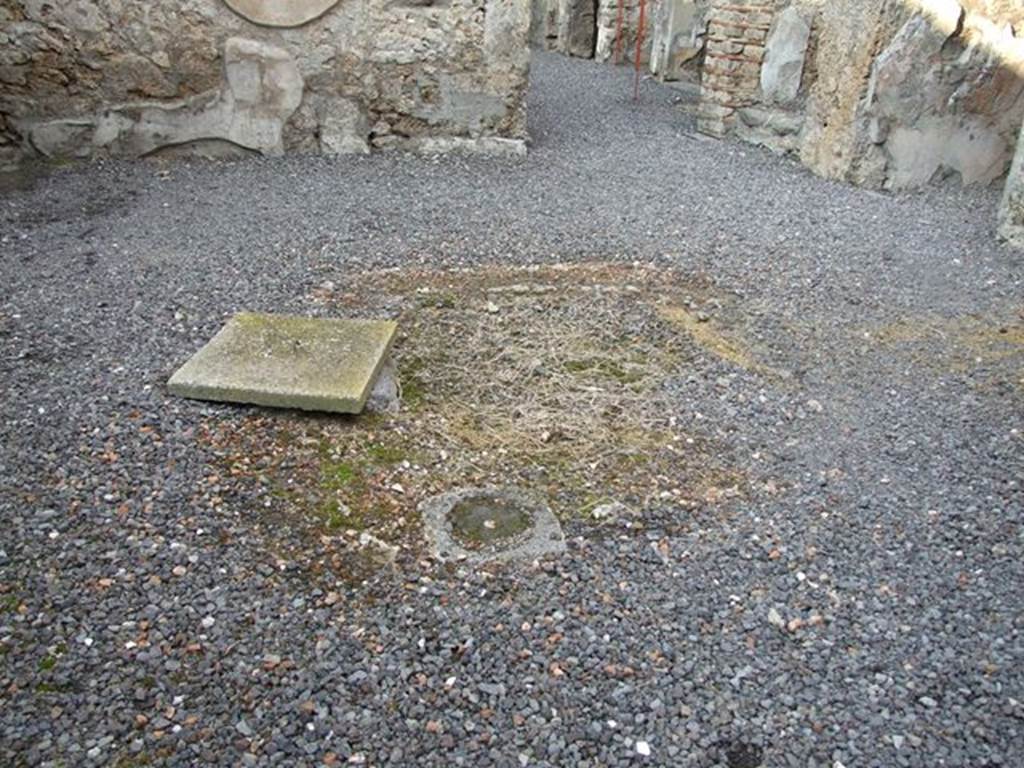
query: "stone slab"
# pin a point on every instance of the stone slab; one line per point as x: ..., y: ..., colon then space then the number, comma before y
x: 312, y: 364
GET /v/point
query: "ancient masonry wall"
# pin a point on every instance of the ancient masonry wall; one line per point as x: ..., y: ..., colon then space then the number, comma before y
x: 732, y: 66
x: 588, y: 28
x: 678, y: 38
x: 1011, y: 214
x: 86, y: 78
x: 576, y: 27
x: 891, y: 94
x: 883, y: 93
x: 608, y: 31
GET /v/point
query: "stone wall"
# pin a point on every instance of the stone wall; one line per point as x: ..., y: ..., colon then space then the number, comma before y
x: 589, y: 28
x: 543, y: 23
x: 732, y: 65
x: 576, y: 27
x: 851, y: 35
x: 929, y: 91
x: 788, y: 74
x: 621, y: 47
x: 885, y: 93
x: 1011, y: 213
x: 83, y: 78
x: 679, y: 39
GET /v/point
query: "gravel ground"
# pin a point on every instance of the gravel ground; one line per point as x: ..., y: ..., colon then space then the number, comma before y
x: 862, y: 607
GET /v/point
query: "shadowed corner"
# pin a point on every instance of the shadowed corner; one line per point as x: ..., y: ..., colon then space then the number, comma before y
x: 1006, y: 51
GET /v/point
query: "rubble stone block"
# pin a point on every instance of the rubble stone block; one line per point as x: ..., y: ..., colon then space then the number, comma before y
x: 785, y: 53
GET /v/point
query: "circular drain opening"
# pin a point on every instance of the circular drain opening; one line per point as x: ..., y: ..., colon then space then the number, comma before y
x: 486, y: 524
x: 488, y: 521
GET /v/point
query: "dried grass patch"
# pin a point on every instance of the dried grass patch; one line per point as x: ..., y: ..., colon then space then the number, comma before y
x: 562, y: 379
x: 958, y: 344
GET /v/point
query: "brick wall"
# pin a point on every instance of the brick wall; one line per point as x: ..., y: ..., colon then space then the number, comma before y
x: 732, y: 68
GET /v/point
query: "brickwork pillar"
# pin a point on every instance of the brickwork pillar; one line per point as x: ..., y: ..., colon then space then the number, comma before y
x: 737, y: 30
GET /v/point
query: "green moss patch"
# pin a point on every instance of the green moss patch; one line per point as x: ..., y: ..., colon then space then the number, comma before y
x: 484, y: 521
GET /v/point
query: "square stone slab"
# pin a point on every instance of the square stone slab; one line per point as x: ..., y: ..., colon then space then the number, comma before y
x: 288, y: 362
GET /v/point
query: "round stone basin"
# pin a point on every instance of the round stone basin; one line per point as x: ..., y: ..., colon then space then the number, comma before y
x: 488, y: 520
x: 490, y: 524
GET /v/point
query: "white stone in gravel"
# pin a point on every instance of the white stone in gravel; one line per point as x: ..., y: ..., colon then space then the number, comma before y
x: 387, y: 552
x: 643, y: 748
x: 208, y: 622
x: 612, y: 511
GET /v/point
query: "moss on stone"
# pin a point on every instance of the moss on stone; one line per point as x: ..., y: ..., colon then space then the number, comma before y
x: 307, y: 363
x: 484, y: 520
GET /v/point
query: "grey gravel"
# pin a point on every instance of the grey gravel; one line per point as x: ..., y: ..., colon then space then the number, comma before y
x: 891, y: 510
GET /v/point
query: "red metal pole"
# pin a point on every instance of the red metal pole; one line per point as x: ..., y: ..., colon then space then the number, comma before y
x: 639, y: 49
x: 618, y: 31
